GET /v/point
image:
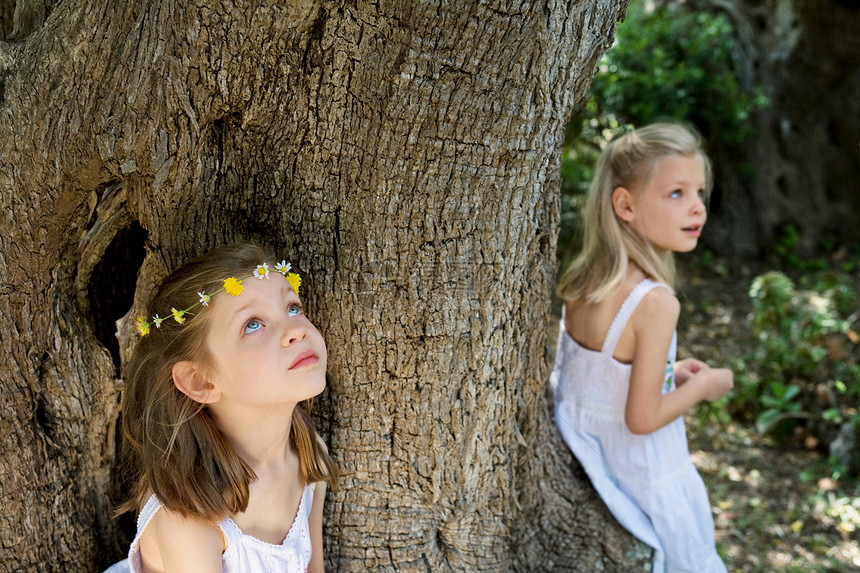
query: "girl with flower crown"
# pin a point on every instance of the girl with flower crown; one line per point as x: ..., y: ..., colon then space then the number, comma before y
x: 620, y: 395
x: 228, y: 472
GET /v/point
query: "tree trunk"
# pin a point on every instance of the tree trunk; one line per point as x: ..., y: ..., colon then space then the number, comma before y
x: 802, y: 167
x: 405, y: 155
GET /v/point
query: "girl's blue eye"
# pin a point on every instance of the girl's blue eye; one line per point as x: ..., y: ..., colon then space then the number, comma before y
x: 252, y: 325
x: 294, y: 310
x: 676, y: 193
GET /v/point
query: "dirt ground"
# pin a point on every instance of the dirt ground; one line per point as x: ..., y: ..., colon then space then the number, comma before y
x: 776, y: 506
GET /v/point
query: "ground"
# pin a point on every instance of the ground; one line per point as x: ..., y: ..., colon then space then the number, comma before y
x: 776, y: 506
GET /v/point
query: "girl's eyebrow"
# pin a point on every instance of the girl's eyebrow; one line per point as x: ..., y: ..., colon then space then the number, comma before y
x: 286, y: 293
x: 238, y: 312
x: 682, y: 181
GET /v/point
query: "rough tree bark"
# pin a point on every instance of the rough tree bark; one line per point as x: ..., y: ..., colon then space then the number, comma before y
x: 406, y: 155
x: 802, y: 167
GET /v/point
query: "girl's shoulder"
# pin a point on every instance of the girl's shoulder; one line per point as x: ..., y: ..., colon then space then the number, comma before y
x: 659, y: 309
x: 659, y: 300
x: 171, y: 540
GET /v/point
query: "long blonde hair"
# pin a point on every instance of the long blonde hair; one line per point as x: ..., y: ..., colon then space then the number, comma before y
x: 173, y: 448
x: 609, y: 243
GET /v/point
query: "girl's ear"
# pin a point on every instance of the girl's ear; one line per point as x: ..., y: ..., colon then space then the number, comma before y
x: 188, y: 378
x: 622, y: 202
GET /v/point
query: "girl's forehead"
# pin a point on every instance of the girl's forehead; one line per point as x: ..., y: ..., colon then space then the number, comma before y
x: 254, y: 292
x: 676, y: 168
x: 681, y: 164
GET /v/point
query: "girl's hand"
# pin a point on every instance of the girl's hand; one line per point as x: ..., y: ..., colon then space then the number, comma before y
x: 719, y: 381
x: 686, y: 368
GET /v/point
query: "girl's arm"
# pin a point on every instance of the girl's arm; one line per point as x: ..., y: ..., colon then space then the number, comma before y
x: 315, y: 523
x: 172, y: 543
x: 647, y: 408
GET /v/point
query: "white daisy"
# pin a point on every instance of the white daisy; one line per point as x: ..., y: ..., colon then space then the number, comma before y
x: 157, y: 320
x: 283, y: 267
x: 204, y: 298
x: 262, y: 271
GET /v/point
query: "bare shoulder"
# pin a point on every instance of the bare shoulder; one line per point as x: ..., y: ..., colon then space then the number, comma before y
x: 318, y: 498
x: 172, y: 542
x: 659, y: 307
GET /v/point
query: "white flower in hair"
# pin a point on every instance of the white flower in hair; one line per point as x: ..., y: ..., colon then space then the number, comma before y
x: 262, y: 271
x: 204, y: 298
x: 157, y: 320
x: 283, y: 267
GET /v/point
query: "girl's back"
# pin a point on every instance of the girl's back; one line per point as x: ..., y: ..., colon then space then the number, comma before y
x: 588, y: 323
x: 592, y: 380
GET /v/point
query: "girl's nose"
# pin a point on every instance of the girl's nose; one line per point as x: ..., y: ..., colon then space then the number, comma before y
x: 293, y: 332
x: 698, y: 204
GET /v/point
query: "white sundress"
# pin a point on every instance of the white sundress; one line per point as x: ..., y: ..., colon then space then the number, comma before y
x: 244, y: 553
x: 647, y: 481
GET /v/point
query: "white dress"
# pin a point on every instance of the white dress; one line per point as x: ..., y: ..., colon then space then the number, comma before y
x: 647, y: 481
x: 244, y: 554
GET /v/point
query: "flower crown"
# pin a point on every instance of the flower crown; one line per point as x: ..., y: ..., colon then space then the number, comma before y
x: 231, y: 286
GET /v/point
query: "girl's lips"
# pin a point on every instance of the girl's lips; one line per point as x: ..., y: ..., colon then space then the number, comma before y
x: 694, y: 230
x: 305, y: 358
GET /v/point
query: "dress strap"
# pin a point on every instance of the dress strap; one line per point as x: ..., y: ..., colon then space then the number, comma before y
x: 147, y: 513
x: 625, y: 312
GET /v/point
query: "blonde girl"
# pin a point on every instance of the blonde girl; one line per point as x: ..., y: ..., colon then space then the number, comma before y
x: 620, y: 395
x: 228, y: 472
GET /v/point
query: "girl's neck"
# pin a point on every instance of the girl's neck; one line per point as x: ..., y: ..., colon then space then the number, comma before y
x: 262, y: 441
x: 635, y: 274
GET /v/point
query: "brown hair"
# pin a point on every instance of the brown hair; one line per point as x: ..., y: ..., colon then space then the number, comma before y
x: 627, y: 161
x: 173, y: 447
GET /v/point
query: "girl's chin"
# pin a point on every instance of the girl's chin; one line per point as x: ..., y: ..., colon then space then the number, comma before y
x: 315, y: 387
x: 687, y: 246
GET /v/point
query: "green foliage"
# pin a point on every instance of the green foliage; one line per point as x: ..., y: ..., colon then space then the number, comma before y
x: 807, y: 353
x: 678, y: 63
x: 780, y: 406
x: 786, y: 252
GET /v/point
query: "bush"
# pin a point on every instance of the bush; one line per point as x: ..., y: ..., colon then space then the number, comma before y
x: 804, y: 371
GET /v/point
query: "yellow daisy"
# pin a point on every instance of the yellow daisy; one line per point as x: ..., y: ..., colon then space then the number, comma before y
x: 142, y: 325
x: 295, y: 281
x: 233, y: 286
